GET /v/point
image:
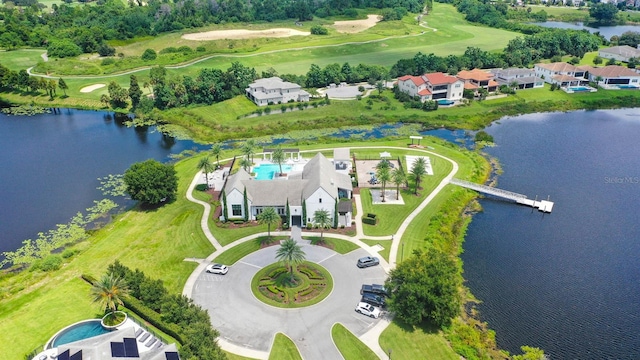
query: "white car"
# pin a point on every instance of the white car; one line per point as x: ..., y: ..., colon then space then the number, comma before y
x: 368, y: 309
x: 217, y: 269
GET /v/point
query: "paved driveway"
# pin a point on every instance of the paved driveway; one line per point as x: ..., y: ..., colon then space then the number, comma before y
x: 245, y: 321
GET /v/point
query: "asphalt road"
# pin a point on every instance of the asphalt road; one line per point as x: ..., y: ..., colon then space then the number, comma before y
x: 246, y: 321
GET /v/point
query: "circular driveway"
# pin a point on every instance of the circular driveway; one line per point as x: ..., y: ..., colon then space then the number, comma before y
x: 245, y: 321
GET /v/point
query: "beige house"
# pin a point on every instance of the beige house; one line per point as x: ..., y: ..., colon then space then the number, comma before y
x: 432, y: 86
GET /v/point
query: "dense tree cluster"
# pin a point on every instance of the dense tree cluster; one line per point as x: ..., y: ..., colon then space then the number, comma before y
x: 425, y: 288
x: 335, y: 73
x: 20, y: 80
x: 70, y: 30
x: 199, y: 338
x: 151, y: 182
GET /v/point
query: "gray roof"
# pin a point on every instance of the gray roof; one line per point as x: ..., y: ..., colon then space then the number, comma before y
x: 275, y: 192
x: 235, y: 181
x: 520, y: 80
x: 624, y: 50
x: 273, y: 83
x: 345, y: 207
x: 322, y: 174
x: 99, y: 347
x: 513, y: 72
x: 341, y: 154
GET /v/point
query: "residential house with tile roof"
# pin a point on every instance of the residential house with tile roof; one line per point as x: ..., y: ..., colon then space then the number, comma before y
x: 432, y: 86
x: 317, y: 187
x: 613, y: 75
x: 561, y: 73
x: 619, y: 53
x: 525, y: 78
x: 476, y: 79
x: 274, y: 90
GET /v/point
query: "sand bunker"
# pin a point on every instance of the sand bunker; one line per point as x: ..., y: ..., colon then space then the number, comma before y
x: 354, y: 26
x: 244, y: 34
x: 90, y: 88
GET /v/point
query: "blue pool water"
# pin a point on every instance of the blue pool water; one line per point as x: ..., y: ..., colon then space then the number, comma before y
x: 578, y: 88
x: 80, y: 331
x: 268, y: 171
x: 445, y: 102
x: 627, y: 87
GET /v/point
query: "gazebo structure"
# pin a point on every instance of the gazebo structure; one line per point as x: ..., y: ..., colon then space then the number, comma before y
x: 293, y: 154
x: 415, y: 137
x: 385, y: 155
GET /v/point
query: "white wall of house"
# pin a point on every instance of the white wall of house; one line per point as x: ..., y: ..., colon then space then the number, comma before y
x: 320, y: 200
x: 235, y: 197
x: 408, y: 87
x: 455, y: 90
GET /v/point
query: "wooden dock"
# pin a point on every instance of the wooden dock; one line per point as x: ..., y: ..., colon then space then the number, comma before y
x: 542, y: 205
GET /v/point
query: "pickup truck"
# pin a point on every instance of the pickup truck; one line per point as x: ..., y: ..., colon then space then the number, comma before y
x: 373, y: 289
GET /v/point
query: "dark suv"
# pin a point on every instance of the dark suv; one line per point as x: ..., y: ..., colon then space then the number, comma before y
x: 374, y: 289
x: 373, y: 299
x: 368, y: 261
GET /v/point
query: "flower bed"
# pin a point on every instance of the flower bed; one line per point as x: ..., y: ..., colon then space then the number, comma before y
x: 275, y: 285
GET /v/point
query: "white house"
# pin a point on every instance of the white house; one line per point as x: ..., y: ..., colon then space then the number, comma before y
x: 613, y: 75
x: 317, y: 187
x: 619, y: 53
x: 526, y: 78
x: 561, y: 73
x: 433, y: 86
x: 275, y: 91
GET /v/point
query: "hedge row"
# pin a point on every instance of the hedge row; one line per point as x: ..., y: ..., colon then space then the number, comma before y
x: 369, y: 220
x: 145, y: 313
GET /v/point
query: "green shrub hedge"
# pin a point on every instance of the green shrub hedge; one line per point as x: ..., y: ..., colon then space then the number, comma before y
x: 368, y: 220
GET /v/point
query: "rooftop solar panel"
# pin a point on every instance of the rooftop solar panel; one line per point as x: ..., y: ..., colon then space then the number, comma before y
x: 117, y: 349
x: 64, y: 355
x: 172, y: 355
x: 76, y: 356
x: 131, y: 347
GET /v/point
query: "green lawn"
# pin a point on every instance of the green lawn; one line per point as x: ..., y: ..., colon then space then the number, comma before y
x: 338, y: 245
x: 35, y: 305
x: 20, y: 59
x: 386, y: 244
x: 231, y: 356
x: 415, y: 343
x: 284, y: 349
x: 349, y: 345
x: 239, y: 251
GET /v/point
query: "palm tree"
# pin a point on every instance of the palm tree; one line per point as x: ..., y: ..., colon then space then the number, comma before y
x: 245, y: 163
x: 268, y: 216
x: 384, y: 175
x: 278, y: 157
x: 418, y: 170
x: 207, y: 167
x: 109, y: 291
x: 290, y: 254
x: 514, y: 85
x: 216, y: 150
x: 248, y: 149
x: 598, y: 79
x: 322, y: 219
x: 398, y: 177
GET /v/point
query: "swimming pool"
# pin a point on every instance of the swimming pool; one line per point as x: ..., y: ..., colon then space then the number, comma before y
x: 268, y: 171
x: 578, y: 88
x: 445, y: 102
x: 626, y: 86
x: 78, y: 331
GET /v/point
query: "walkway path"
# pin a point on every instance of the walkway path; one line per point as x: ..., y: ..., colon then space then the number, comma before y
x: 371, y: 336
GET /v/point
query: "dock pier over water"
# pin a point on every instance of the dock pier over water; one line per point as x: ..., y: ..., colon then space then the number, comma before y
x: 541, y: 205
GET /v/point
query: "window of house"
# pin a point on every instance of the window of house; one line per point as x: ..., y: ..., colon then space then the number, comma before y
x: 281, y: 211
x: 236, y: 210
x: 320, y: 200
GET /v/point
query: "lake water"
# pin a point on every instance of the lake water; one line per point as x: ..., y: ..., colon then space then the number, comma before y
x: 50, y: 164
x: 568, y: 282
x: 606, y: 31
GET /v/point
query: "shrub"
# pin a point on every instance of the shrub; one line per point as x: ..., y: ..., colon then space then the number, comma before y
x: 169, y: 50
x: 153, y: 318
x: 50, y: 263
x: 201, y: 49
x: 108, y: 61
x: 309, y: 226
x: 319, y: 30
x: 371, y: 215
x: 149, y: 55
x: 185, y: 49
x: 69, y: 253
x: 369, y: 221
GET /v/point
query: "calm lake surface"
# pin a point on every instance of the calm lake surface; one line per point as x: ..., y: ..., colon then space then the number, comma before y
x: 606, y: 31
x: 51, y: 162
x: 568, y: 282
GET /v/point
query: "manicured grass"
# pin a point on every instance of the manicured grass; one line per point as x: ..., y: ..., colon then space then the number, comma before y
x: 226, y: 235
x: 20, y: 59
x: 386, y: 244
x: 349, y: 345
x: 275, y: 277
x: 338, y: 245
x: 284, y: 349
x: 35, y: 305
x: 415, y: 343
x: 391, y: 216
x: 231, y: 356
x: 239, y: 251
x: 559, y: 11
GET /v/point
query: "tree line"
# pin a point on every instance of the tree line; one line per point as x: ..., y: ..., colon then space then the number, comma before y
x: 68, y: 31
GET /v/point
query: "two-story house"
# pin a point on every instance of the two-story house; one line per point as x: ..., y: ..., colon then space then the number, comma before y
x: 433, y: 86
x: 274, y: 90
